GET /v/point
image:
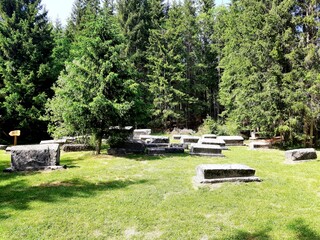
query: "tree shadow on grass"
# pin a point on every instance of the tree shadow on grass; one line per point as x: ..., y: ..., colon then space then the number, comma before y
x: 303, y: 231
x: 18, y: 194
x: 258, y: 235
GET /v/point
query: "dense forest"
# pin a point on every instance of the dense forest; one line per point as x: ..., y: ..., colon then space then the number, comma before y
x: 251, y: 65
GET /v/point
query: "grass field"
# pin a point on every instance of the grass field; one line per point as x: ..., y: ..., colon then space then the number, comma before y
x: 143, y: 197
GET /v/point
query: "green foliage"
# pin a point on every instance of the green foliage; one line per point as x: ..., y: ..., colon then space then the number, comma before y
x: 208, y: 126
x: 96, y: 90
x: 26, y: 74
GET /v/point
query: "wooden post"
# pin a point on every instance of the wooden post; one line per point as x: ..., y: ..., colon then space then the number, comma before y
x: 15, y: 134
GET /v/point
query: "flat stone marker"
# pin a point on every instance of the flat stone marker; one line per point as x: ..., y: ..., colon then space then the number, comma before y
x: 206, y: 150
x: 253, y: 145
x: 210, y: 136
x: 154, y: 139
x: 138, y: 132
x: 232, y: 140
x: 177, y: 136
x: 156, y: 145
x: 189, y: 139
x: 301, y: 154
x: 217, y: 173
x: 166, y: 150
x: 57, y: 141
x: 35, y: 157
x: 211, y: 141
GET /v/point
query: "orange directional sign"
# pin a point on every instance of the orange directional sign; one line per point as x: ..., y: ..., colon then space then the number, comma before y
x: 14, y: 133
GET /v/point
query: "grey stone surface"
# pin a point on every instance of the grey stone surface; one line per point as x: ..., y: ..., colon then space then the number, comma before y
x: 189, y: 139
x: 179, y: 145
x: 138, y: 132
x: 210, y: 141
x: 206, y: 150
x: 3, y: 147
x: 253, y: 145
x: 155, y: 145
x: 155, y: 151
x: 232, y: 140
x: 210, y: 136
x: 56, y: 141
x: 215, y: 173
x: 154, y: 139
x: 301, y: 154
x: 77, y: 147
x: 34, y: 157
x: 174, y: 150
x: 134, y: 146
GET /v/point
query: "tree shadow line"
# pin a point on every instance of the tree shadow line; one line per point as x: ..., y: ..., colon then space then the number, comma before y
x: 18, y: 195
x: 301, y: 229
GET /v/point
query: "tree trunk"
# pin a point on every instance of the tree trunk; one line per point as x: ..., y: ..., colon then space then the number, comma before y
x: 98, y: 144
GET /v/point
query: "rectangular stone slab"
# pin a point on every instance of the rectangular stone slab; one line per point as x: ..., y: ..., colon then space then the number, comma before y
x: 214, y: 171
x: 232, y: 140
x: 206, y: 150
x: 209, y: 136
x: 189, y: 139
x: 34, y: 157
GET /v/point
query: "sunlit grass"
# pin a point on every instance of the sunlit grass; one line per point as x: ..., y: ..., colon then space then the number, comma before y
x: 143, y: 197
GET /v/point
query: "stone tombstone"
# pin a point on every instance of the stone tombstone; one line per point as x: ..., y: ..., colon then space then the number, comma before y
x: 253, y: 145
x: 129, y: 146
x: 35, y: 157
x: 77, y: 147
x: 154, y: 139
x: 301, y: 154
x: 210, y: 136
x: 189, y: 139
x: 217, y: 173
x: 232, y: 140
x: 210, y: 141
x: 138, y: 132
x: 56, y: 141
x: 206, y: 150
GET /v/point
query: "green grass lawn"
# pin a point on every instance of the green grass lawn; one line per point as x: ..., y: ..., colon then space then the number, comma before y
x: 143, y: 197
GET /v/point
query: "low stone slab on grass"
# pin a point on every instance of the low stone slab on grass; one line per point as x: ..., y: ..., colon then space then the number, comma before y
x: 189, y: 139
x: 301, y: 154
x: 130, y: 146
x: 166, y: 150
x: 56, y: 141
x: 254, y: 145
x: 138, y: 132
x: 218, y: 173
x: 154, y: 139
x: 156, y: 145
x: 210, y: 141
x: 35, y: 157
x: 206, y: 150
x: 209, y: 136
x: 77, y: 147
x: 232, y: 140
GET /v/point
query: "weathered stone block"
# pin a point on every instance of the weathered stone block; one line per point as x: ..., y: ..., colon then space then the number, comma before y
x: 210, y: 141
x: 77, y: 147
x: 134, y: 146
x: 189, y: 139
x: 156, y: 151
x: 259, y: 145
x: 210, y: 136
x: 232, y: 140
x: 34, y: 157
x: 215, y: 173
x: 155, y: 145
x: 57, y: 141
x: 301, y: 154
x: 206, y: 150
x: 138, y: 132
x: 154, y: 139
x: 174, y: 150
